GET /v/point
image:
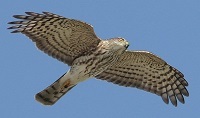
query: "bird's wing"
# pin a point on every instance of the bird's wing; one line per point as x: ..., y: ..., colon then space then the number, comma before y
x: 62, y: 38
x: 148, y: 72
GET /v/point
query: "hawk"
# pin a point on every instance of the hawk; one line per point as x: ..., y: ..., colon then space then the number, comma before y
x: 74, y: 43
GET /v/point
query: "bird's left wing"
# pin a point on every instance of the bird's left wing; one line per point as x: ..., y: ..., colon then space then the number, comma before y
x: 148, y: 72
x: 62, y: 38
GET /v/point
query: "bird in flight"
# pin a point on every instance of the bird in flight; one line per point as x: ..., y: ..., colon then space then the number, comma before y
x: 75, y: 43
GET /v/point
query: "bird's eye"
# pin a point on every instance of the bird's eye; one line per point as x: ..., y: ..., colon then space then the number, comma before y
x: 121, y: 40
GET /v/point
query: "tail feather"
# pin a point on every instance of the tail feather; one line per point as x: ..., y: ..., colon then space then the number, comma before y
x: 52, y: 93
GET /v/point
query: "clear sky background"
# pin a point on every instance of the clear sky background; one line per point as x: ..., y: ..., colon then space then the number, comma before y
x: 168, y: 28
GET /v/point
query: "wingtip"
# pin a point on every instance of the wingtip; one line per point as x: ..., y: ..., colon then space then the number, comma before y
x: 165, y: 98
x: 30, y: 13
x: 10, y: 27
x: 10, y: 23
x: 20, y: 16
x: 17, y: 16
x: 15, y: 31
x: 46, y: 12
x: 175, y: 103
x: 186, y: 93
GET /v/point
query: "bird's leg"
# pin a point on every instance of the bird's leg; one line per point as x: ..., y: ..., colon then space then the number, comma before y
x: 66, y: 84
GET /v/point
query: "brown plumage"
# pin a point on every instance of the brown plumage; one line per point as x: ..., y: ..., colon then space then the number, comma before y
x: 75, y: 43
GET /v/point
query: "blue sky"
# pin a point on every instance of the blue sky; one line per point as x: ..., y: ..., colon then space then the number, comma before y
x: 168, y: 28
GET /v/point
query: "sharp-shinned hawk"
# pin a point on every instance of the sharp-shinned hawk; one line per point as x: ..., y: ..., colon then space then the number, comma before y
x: 75, y: 43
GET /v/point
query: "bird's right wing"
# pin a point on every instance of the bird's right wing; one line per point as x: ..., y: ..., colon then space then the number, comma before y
x: 62, y: 38
x: 148, y: 72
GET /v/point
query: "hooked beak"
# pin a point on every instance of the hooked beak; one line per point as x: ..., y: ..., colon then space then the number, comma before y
x: 127, y: 44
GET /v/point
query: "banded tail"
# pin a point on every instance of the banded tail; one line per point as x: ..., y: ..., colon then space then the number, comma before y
x: 52, y: 93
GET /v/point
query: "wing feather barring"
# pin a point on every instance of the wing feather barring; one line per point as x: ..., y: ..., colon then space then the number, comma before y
x: 75, y: 43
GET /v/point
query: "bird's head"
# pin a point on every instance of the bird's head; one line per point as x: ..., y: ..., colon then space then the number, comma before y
x: 118, y: 44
